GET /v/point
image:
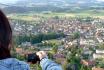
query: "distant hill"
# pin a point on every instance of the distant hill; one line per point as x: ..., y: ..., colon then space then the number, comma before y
x: 3, y: 5
x: 61, y: 3
x: 22, y: 6
x: 56, y: 2
x: 15, y: 9
x: 12, y: 8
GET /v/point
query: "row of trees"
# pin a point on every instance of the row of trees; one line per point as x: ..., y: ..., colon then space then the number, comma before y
x: 37, y: 38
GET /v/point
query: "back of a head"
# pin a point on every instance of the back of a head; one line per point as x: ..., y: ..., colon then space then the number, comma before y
x: 5, y: 36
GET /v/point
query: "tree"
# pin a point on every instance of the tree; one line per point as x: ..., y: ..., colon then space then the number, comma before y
x: 100, y: 46
x: 54, y: 48
x: 88, y: 19
x: 73, y: 57
x: 76, y: 35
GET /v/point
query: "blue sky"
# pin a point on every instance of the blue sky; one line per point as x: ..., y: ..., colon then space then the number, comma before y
x: 12, y: 1
x: 8, y: 1
x: 100, y: 0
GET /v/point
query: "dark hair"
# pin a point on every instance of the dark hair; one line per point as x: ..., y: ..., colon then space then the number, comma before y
x: 5, y: 36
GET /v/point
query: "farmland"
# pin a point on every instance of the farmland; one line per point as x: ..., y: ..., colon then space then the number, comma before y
x: 33, y: 16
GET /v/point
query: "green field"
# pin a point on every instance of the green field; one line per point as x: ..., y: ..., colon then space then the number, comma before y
x: 38, y: 16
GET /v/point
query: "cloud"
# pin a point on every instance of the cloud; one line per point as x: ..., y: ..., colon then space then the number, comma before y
x: 100, y: 0
x: 8, y: 1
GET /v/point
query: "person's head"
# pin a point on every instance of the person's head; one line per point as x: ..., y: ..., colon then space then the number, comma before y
x: 5, y: 36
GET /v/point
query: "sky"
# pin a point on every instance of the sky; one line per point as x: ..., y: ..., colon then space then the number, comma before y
x: 12, y: 1
x: 100, y: 0
x: 7, y: 1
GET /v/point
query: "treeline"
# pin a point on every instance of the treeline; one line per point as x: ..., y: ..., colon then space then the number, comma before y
x: 37, y: 38
x: 16, y: 9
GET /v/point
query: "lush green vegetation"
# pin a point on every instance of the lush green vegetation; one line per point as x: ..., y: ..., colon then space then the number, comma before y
x: 33, y: 16
x: 37, y: 38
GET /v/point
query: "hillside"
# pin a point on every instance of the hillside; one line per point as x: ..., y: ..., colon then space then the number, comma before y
x: 3, y: 5
x: 57, y: 2
x: 24, y: 6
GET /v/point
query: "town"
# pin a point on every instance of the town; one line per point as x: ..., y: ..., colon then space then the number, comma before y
x: 80, y: 45
x: 71, y: 32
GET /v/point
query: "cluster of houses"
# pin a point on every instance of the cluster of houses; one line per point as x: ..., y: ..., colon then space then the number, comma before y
x: 91, y: 34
